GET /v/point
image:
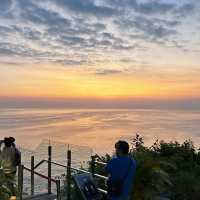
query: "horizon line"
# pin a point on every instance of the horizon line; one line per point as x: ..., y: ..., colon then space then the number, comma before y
x: 112, y: 103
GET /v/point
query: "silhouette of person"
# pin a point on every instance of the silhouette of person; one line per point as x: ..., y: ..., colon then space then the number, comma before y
x: 121, y: 170
x: 10, y: 158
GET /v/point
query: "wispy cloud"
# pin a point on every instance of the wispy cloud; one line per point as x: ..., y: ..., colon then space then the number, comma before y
x: 87, y: 7
x: 51, y: 31
x: 107, y: 72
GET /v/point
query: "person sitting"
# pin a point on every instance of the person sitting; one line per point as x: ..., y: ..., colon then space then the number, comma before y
x: 121, y: 170
x: 10, y: 158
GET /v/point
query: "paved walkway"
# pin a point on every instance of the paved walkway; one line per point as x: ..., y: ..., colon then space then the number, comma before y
x: 42, y: 197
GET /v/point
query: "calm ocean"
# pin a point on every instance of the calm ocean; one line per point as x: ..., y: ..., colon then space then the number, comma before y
x: 90, y: 131
x: 97, y: 129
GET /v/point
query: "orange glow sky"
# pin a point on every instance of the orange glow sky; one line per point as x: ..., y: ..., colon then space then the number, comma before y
x: 20, y: 81
x: 51, y: 50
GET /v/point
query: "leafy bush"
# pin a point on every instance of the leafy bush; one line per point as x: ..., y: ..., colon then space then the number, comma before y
x: 166, y: 169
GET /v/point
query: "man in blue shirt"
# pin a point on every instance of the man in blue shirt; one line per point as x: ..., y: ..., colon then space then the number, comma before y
x: 121, y: 170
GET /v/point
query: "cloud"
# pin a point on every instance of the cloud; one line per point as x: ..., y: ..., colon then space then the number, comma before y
x: 4, y: 31
x: 104, y: 72
x: 71, y: 62
x: 148, y: 7
x: 87, y: 7
x: 37, y: 15
x: 53, y: 31
x: 149, y: 29
x: 5, y: 6
x: 13, y: 50
x: 28, y: 33
x: 152, y: 7
x: 185, y: 9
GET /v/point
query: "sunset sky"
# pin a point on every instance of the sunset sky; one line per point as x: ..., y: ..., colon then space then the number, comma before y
x: 100, y: 51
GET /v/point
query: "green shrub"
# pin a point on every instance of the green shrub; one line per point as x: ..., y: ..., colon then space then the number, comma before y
x: 166, y: 169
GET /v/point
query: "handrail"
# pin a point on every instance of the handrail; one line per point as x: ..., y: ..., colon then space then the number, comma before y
x: 41, y: 162
x: 79, y: 170
x: 97, y: 175
x: 73, y: 168
x: 100, y: 163
x: 57, y: 182
x: 68, y: 168
x: 102, y: 191
x: 39, y: 174
x: 55, y: 163
x: 101, y: 176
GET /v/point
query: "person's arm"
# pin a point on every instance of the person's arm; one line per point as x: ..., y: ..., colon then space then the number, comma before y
x: 1, y: 142
x: 17, y: 156
x: 110, y: 166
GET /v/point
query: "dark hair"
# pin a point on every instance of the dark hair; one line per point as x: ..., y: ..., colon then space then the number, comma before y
x: 12, y: 139
x: 123, y: 146
x: 9, y: 141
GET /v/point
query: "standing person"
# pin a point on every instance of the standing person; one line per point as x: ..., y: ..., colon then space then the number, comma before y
x: 121, y: 170
x: 10, y: 158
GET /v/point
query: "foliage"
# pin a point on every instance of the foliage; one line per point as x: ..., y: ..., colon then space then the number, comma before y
x: 186, y: 177
x: 151, y: 178
x: 166, y: 169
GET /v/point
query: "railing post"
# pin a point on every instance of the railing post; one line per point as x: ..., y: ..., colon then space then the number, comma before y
x: 69, y: 175
x: 58, y: 190
x: 32, y: 175
x: 92, y: 165
x: 49, y: 168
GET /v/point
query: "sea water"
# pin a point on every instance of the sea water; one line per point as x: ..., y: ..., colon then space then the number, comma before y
x: 89, y: 131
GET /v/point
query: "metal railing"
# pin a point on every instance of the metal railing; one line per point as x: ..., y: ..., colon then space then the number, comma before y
x: 69, y: 170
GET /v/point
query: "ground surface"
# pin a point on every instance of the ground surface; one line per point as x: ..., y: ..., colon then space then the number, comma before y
x: 42, y: 197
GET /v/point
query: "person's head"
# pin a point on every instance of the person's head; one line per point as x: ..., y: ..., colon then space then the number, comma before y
x: 9, y: 141
x: 122, y: 148
x: 12, y: 139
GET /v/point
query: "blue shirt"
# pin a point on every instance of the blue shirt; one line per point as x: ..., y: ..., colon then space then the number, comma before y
x: 117, y: 169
